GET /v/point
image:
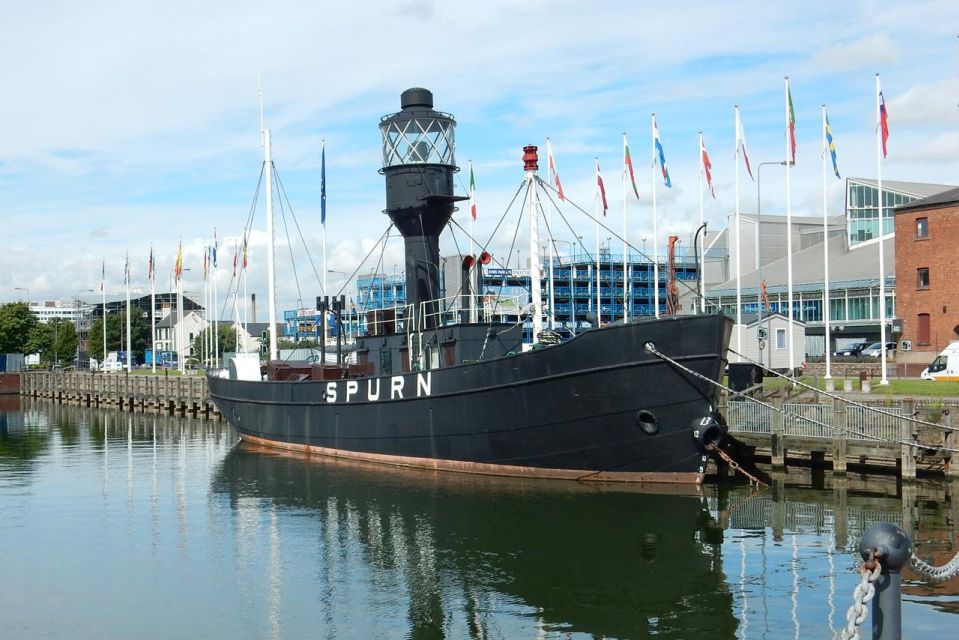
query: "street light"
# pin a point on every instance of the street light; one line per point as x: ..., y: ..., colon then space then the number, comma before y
x: 76, y: 298
x: 759, y: 262
x: 24, y: 289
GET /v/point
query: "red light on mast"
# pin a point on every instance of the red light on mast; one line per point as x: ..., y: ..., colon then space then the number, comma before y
x: 530, y: 158
x: 485, y: 258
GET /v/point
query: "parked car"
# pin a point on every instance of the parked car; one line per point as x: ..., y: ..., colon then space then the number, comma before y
x: 852, y: 350
x: 872, y: 351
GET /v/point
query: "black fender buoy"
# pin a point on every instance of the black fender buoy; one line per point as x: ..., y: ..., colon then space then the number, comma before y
x: 708, y: 431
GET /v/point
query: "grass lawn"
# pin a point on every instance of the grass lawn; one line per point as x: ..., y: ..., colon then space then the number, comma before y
x: 896, y: 387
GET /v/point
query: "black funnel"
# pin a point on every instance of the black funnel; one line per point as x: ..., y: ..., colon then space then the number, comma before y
x: 418, y: 164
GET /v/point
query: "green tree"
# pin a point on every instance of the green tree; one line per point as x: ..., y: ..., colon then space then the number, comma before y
x: 18, y: 328
x: 63, y: 348
x: 116, y: 335
x: 227, y: 340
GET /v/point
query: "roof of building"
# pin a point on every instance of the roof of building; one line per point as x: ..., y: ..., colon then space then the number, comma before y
x: 941, y: 199
x: 169, y: 320
x: 749, y: 319
x: 853, y: 268
x: 919, y: 189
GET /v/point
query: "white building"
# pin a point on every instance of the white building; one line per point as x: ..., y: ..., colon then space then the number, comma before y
x: 775, y: 343
x: 166, y: 334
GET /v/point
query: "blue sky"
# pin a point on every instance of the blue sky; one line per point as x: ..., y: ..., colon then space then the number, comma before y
x: 127, y: 124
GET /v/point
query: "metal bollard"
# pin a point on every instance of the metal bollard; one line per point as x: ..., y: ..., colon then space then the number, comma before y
x: 892, y: 546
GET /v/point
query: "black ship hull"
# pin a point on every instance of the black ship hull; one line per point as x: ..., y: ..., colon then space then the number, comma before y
x: 598, y: 407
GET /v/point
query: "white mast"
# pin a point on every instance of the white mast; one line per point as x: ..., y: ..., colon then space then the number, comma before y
x: 552, y: 243
x: 625, y: 241
x: 536, y: 292
x: 599, y: 197
x: 702, y: 253
x: 882, y: 266
x: 736, y: 265
x: 655, y: 232
x: 825, y: 246
x: 153, y: 310
x: 129, y: 351
x: 270, y: 266
x: 216, y: 332
x: 789, y: 233
x: 103, y: 296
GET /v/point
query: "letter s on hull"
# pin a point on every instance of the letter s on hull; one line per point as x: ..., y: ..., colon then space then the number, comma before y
x: 331, y: 392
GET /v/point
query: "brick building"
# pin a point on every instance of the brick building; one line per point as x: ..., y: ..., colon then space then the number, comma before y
x: 927, y: 278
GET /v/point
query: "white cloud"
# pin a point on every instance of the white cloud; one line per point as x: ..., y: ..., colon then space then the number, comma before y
x: 869, y: 52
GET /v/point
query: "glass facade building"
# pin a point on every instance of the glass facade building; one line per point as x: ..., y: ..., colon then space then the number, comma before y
x: 862, y: 207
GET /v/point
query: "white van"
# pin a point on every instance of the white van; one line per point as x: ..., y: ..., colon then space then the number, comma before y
x: 945, y: 366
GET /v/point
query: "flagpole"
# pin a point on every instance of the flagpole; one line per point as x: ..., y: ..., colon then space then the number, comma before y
x: 625, y: 242
x: 825, y: 247
x: 153, y: 311
x: 655, y: 229
x: 882, y: 266
x: 129, y: 351
x: 737, y: 265
x: 103, y: 292
x: 551, y: 247
x: 326, y: 291
x: 216, y: 305
x: 789, y: 233
x: 470, y: 272
x: 235, y: 284
x: 702, y: 170
x: 181, y: 365
x: 599, y: 308
x: 205, y: 335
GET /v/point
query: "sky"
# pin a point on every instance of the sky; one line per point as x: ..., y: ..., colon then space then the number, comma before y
x: 128, y: 124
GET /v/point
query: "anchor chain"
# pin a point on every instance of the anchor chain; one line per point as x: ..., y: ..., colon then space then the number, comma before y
x: 864, y: 592
x: 933, y: 573
x: 735, y: 465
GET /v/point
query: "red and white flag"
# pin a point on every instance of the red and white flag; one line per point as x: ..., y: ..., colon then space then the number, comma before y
x: 741, y: 144
x: 552, y: 169
x: 707, y: 166
x: 601, y: 188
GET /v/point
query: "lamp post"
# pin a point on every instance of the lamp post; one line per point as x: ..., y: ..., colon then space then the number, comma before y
x: 759, y: 263
x: 77, y: 321
x: 24, y: 289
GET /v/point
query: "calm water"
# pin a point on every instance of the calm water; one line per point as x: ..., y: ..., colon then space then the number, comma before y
x: 115, y: 525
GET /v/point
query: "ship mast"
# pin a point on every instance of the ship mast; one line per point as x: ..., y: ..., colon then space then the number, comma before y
x: 530, y: 166
x: 270, y: 264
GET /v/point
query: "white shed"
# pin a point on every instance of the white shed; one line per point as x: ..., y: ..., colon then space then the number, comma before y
x: 773, y: 349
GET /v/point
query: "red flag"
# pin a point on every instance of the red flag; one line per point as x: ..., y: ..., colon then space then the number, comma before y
x: 707, y: 167
x: 883, y: 122
x: 602, y: 188
x: 791, y: 121
x: 741, y: 143
x: 628, y: 161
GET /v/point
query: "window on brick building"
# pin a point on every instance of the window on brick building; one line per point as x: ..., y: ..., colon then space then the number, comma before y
x: 922, y: 281
x: 922, y: 227
x: 922, y: 329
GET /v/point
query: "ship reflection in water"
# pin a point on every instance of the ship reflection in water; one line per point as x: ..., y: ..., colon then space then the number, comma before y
x: 462, y: 551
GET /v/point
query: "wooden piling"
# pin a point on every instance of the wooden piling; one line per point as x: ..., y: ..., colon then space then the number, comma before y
x: 839, y: 441
x: 778, y: 445
x: 907, y: 436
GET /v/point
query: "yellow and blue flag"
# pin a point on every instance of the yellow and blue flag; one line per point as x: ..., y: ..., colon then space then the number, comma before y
x: 831, y: 144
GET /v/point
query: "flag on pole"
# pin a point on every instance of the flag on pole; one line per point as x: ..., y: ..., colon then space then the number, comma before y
x: 151, y: 266
x: 602, y: 188
x: 472, y: 192
x: 206, y: 263
x: 244, y: 252
x: 662, y: 156
x: 883, y: 122
x: 707, y: 167
x: 126, y: 270
x: 791, y: 121
x: 178, y: 270
x: 831, y: 145
x: 103, y: 273
x: 741, y: 144
x: 628, y: 166
x: 236, y: 254
x: 323, y: 184
x: 213, y: 248
x: 552, y: 168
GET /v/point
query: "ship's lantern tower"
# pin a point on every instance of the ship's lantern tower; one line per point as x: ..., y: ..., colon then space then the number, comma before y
x: 419, y: 163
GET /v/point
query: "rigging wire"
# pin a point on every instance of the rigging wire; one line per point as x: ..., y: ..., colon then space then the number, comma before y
x: 296, y: 222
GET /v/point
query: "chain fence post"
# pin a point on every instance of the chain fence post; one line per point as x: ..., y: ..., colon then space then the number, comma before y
x: 892, y: 546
